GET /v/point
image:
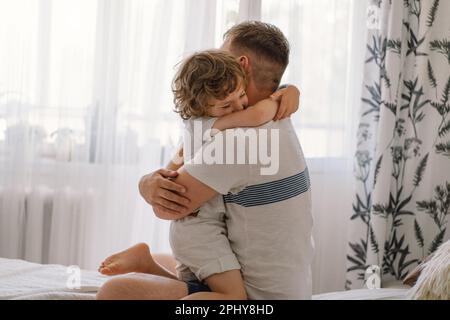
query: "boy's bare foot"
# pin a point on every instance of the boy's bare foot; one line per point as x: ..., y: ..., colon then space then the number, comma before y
x: 134, y: 259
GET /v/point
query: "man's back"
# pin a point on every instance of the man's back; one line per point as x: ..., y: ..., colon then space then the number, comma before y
x: 268, y: 206
x: 270, y: 223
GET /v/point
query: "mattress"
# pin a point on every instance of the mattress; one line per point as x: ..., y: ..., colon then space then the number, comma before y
x: 22, y: 280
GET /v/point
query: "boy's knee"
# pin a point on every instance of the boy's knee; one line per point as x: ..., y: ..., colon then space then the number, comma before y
x: 113, y: 289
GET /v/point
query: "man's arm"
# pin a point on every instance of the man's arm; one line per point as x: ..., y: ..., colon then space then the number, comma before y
x: 160, y: 191
x: 197, y: 192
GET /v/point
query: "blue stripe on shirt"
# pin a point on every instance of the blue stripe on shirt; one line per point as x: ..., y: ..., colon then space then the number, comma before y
x: 271, y: 192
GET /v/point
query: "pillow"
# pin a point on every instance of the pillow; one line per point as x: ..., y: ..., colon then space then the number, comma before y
x: 413, y: 275
x: 434, y: 280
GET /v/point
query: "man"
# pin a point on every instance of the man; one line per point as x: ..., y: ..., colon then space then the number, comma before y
x: 268, y: 216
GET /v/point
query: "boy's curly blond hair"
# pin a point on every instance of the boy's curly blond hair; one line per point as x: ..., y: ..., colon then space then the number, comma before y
x: 202, y: 76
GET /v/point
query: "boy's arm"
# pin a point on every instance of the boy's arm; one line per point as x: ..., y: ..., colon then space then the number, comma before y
x: 254, y: 116
x: 289, y: 98
x: 282, y: 104
x: 177, y: 160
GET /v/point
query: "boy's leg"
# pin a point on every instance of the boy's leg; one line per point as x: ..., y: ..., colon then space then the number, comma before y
x: 142, y: 287
x: 227, y: 285
x: 167, y: 261
x: 138, y: 259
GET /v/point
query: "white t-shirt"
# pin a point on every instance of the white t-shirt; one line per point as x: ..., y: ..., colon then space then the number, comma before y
x: 196, y: 132
x: 268, y: 217
x: 199, y: 242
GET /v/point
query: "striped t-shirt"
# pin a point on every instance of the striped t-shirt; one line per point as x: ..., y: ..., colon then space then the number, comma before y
x: 269, y: 217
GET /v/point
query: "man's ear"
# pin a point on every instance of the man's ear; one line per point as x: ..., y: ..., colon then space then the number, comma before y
x: 244, y: 62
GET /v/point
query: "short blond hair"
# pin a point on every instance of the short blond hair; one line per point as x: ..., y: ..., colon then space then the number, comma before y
x: 202, y: 76
x: 268, y: 48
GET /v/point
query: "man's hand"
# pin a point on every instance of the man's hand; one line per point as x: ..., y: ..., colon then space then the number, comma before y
x: 289, y: 99
x: 166, y: 214
x: 159, y: 191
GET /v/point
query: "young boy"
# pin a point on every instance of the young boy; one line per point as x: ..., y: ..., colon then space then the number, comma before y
x: 209, y: 91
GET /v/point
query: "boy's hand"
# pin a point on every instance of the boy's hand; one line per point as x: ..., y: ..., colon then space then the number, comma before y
x: 289, y: 99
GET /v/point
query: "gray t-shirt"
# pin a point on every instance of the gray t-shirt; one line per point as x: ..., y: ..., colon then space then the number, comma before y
x: 268, y: 216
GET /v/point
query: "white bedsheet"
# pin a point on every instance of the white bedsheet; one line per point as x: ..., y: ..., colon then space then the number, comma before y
x: 31, y: 281
x: 365, y: 294
x: 25, y: 280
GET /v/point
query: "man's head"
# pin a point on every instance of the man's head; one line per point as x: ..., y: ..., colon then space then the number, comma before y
x: 263, y: 51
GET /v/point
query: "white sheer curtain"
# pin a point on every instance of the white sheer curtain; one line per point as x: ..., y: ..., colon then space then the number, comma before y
x: 85, y: 111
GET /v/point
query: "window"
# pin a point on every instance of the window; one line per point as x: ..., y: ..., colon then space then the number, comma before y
x: 319, y: 33
x: 77, y: 70
x: 81, y: 71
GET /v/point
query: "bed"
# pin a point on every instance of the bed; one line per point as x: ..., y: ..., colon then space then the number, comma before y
x: 22, y: 280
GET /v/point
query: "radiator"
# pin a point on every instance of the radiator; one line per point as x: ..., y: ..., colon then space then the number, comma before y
x: 44, y: 225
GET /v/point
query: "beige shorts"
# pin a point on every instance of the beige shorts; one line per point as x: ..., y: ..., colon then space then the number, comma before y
x: 200, y: 243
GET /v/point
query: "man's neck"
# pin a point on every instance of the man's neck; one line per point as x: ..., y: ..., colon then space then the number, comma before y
x: 255, y: 95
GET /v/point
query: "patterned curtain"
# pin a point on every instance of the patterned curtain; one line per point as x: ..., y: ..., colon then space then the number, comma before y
x: 402, y: 162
